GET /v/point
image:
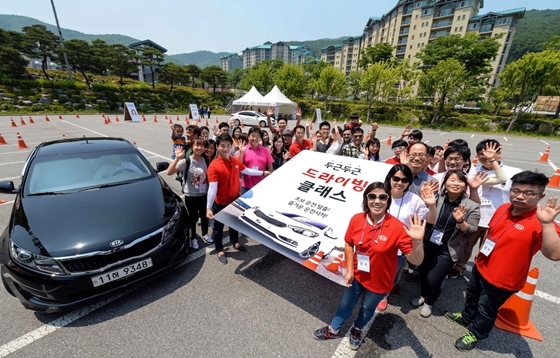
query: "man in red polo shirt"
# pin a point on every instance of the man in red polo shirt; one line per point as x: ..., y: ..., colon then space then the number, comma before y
x: 517, y: 231
x: 300, y: 143
x: 223, y: 189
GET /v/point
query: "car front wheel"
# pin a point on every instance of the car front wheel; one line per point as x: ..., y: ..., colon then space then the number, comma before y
x: 237, y: 123
x: 262, y: 124
x: 311, y: 251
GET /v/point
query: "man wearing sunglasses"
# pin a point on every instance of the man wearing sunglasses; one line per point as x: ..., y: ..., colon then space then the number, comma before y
x: 353, y: 149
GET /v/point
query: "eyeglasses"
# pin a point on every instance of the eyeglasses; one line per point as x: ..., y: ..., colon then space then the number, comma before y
x: 397, y: 179
x: 358, y: 136
x: 382, y: 197
x: 454, y: 159
x: 526, y: 194
x: 398, y: 148
x: 415, y: 155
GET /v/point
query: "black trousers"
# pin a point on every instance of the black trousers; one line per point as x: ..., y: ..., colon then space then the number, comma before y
x: 218, y: 230
x: 435, y: 267
x: 483, y: 302
x: 196, y: 205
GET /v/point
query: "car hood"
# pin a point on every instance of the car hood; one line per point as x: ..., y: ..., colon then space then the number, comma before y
x: 88, y: 221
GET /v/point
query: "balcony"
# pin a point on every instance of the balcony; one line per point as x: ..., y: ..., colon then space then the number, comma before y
x: 486, y: 28
x: 403, y: 41
x: 401, y: 50
x: 444, y: 23
x: 404, y: 31
x: 408, y: 11
x: 443, y: 13
x: 439, y: 34
x: 406, y: 21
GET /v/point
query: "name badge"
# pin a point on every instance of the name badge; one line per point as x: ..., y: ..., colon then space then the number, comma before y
x: 485, y: 201
x: 399, y: 252
x: 202, y: 188
x: 436, y: 237
x: 256, y: 168
x: 488, y: 247
x: 363, y: 263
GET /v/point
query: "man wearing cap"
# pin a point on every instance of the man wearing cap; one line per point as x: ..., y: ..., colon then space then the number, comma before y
x: 287, y: 137
x: 398, y: 147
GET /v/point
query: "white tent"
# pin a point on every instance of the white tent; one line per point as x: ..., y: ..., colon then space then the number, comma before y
x: 253, y: 97
x: 276, y: 98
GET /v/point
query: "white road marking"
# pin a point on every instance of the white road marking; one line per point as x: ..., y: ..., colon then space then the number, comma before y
x: 472, y: 135
x: 87, y: 129
x: 544, y: 142
x: 20, y: 151
x: 547, y: 297
x: 68, y: 318
x: 155, y: 154
x: 2, y: 179
x: 7, y: 202
x: 506, y: 139
x: 554, y: 167
x: 443, y: 133
x: 427, y: 141
x: 23, y: 161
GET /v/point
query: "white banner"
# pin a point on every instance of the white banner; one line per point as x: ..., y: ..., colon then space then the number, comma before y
x: 194, y: 111
x: 130, y: 112
x: 303, y: 209
x: 319, y: 117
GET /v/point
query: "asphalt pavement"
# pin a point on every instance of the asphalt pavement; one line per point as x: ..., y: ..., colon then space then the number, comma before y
x: 261, y: 304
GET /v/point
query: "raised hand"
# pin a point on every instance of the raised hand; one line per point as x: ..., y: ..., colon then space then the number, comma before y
x: 417, y: 227
x: 298, y: 112
x: 404, y: 157
x: 270, y: 112
x: 287, y: 155
x: 434, y: 185
x: 446, y: 144
x: 490, y: 151
x: 313, y: 139
x: 547, y: 214
x: 477, y: 180
x: 406, y: 130
x: 307, y: 123
x: 459, y: 213
x: 179, y: 153
x: 242, y: 146
x: 427, y: 194
x: 364, y: 150
x: 374, y: 126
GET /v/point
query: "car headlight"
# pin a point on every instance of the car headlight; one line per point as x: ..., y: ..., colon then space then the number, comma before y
x: 34, y: 261
x: 330, y: 233
x: 171, y: 226
x: 302, y: 231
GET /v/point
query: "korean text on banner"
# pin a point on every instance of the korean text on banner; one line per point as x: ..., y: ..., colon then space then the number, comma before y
x: 130, y: 112
x: 194, y: 111
x: 303, y: 209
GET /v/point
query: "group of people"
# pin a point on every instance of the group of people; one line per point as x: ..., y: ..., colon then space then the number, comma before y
x: 429, y: 213
x: 203, y: 111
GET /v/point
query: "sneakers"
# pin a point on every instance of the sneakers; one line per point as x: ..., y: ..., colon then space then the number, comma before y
x: 456, y: 317
x: 454, y: 273
x: 208, y: 239
x: 355, y: 339
x: 426, y: 310
x: 325, y: 333
x: 417, y: 301
x: 466, y: 343
x: 194, y: 243
x: 382, y: 306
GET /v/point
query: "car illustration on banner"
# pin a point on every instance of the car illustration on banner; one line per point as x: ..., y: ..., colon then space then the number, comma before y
x: 295, y: 232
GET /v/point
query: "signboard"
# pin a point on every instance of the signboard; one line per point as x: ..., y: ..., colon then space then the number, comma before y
x: 130, y: 112
x: 318, y: 114
x: 303, y: 209
x: 276, y: 112
x: 194, y: 111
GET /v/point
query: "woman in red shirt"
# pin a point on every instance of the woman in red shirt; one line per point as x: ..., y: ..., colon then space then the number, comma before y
x: 372, y: 240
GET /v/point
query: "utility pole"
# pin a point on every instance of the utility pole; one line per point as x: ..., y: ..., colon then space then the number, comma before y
x: 62, y: 43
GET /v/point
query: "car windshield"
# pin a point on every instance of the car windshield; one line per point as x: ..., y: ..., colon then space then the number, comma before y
x: 260, y: 114
x: 307, y: 221
x: 60, y: 174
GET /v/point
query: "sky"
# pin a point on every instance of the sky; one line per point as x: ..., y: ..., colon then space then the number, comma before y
x: 223, y: 25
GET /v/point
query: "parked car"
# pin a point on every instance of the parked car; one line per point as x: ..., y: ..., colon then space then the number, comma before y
x: 90, y: 217
x: 251, y: 118
x: 295, y: 232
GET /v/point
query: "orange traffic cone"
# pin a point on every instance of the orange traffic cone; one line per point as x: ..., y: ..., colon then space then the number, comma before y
x: 513, y: 316
x: 2, y: 140
x: 259, y: 125
x: 63, y: 137
x: 555, y: 180
x: 544, y: 157
x: 389, y: 140
x: 199, y: 120
x: 2, y: 201
x: 59, y: 116
x: 155, y: 118
x: 109, y: 119
x: 143, y: 118
x: 447, y: 144
x: 21, y: 121
x: 47, y: 118
x: 217, y: 121
x: 475, y: 161
x: 77, y: 115
x: 335, y: 264
x: 31, y: 120
x: 313, y: 262
x: 13, y: 123
x: 177, y: 119
x: 20, y: 142
x: 242, y: 124
x: 117, y: 119
x: 102, y: 115
x: 188, y: 123
x: 170, y: 121
x: 207, y: 123
x: 105, y: 121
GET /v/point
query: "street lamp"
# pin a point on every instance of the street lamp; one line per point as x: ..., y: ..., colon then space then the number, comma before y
x: 62, y: 43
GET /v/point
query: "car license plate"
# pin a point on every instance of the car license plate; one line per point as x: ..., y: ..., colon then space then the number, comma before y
x: 121, y: 273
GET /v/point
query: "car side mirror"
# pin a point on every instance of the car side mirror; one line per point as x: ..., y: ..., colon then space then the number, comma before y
x: 161, y: 166
x: 7, y: 187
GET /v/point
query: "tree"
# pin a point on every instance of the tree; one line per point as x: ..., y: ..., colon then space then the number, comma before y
x: 261, y: 76
x: 194, y: 72
x: 123, y: 61
x: 151, y: 58
x: 408, y: 76
x: 330, y: 84
x: 214, y: 76
x: 234, y: 77
x: 171, y: 74
x: 497, y: 96
x: 11, y: 61
x: 291, y: 80
x: 379, y: 82
x: 81, y: 57
x: 445, y: 80
x: 553, y: 44
x: 354, y: 85
x: 42, y: 44
x: 102, y: 55
x: 381, y: 52
x: 312, y: 68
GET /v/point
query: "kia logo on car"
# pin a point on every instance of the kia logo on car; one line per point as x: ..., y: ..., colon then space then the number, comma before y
x: 519, y: 227
x: 116, y: 243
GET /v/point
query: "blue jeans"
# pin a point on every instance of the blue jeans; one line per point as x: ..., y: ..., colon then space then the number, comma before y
x: 350, y: 297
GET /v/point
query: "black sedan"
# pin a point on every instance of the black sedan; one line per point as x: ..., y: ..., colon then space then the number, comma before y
x: 91, y: 217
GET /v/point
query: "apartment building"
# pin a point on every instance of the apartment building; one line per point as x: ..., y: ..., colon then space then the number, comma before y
x: 344, y: 56
x: 412, y: 24
x: 270, y: 51
x: 231, y: 61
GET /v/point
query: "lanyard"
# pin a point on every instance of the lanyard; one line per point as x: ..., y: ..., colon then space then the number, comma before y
x: 439, y: 217
x: 378, y: 227
x: 400, y: 206
x: 489, y: 236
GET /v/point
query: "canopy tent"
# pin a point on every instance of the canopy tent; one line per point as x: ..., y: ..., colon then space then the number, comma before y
x: 253, y: 97
x: 276, y: 98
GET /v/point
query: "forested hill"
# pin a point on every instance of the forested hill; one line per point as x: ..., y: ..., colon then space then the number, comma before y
x: 536, y: 28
